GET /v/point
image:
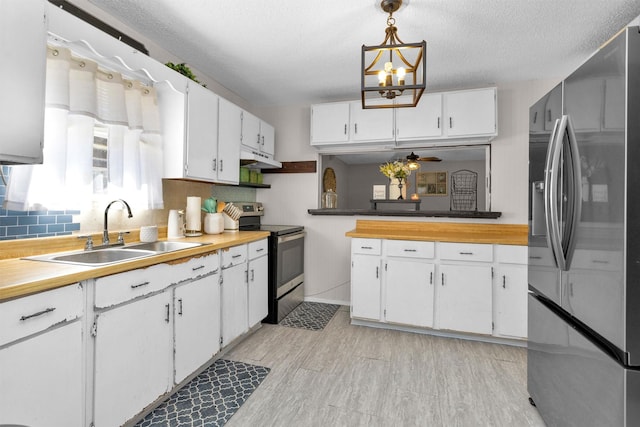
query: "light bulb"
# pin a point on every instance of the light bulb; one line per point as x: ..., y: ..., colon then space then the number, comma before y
x: 401, y: 73
x: 382, y: 77
x: 388, y: 67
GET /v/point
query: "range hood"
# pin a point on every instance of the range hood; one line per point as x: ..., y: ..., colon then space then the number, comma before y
x: 258, y: 161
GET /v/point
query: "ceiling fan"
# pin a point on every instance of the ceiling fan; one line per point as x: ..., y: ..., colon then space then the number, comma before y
x: 413, y: 159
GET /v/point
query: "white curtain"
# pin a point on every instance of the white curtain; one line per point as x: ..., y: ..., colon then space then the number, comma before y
x: 79, y: 97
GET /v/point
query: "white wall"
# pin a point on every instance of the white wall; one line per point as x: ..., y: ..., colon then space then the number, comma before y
x: 327, y: 256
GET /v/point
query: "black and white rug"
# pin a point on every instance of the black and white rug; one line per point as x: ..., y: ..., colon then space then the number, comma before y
x: 210, y: 399
x: 313, y: 316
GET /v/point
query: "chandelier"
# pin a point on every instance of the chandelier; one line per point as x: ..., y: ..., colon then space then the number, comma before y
x: 394, y: 72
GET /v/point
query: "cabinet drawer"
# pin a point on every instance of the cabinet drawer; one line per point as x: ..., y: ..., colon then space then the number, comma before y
x: 194, y: 267
x: 121, y: 287
x: 259, y: 248
x: 34, y: 313
x: 409, y: 249
x: 512, y: 254
x: 366, y: 246
x: 233, y: 256
x: 466, y: 252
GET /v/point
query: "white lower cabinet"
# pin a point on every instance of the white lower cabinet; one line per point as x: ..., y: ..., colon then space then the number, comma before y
x: 197, y: 324
x: 235, y: 320
x: 409, y: 292
x: 464, y: 298
x: 41, y: 359
x: 510, y: 285
x: 257, y: 282
x: 41, y: 381
x: 452, y: 287
x: 366, y: 278
x: 133, y: 357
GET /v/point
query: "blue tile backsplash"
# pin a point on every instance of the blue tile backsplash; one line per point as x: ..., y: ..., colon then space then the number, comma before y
x: 30, y: 224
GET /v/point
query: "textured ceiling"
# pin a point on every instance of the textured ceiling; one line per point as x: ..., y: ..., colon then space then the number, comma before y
x: 297, y: 52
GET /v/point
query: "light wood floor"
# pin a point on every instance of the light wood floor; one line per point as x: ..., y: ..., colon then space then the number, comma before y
x: 358, y: 376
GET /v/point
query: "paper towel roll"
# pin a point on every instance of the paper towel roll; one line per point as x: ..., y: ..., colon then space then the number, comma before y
x: 193, y: 216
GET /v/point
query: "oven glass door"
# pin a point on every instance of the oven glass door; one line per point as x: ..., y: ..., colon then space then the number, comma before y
x: 290, y: 271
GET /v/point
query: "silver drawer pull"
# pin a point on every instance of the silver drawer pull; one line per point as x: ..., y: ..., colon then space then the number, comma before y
x: 466, y: 253
x: 139, y: 285
x: 259, y: 249
x: 40, y: 313
x: 410, y: 250
x: 236, y: 256
x: 366, y: 247
x: 197, y: 268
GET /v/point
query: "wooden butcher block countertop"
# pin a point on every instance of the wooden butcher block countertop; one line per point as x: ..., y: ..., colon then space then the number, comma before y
x: 502, y: 234
x: 20, y: 277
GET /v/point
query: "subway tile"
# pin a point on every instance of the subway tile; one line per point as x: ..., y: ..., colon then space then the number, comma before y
x: 27, y: 220
x: 16, y: 213
x: 46, y: 219
x: 37, y: 212
x: 55, y: 212
x: 55, y: 228
x: 3, y: 231
x: 46, y: 235
x: 17, y: 230
x: 3, y: 212
x: 8, y: 238
x: 64, y: 233
x: 37, y: 229
x: 64, y: 219
x: 74, y: 226
x: 8, y: 220
x: 72, y: 212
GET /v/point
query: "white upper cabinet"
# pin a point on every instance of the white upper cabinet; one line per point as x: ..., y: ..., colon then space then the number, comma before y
x: 23, y: 33
x: 466, y: 116
x: 371, y: 124
x: 329, y: 123
x: 202, y: 133
x: 250, y: 130
x: 229, y: 132
x: 470, y: 113
x: 422, y: 121
x: 257, y: 136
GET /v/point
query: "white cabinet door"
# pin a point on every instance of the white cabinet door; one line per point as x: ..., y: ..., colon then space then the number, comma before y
x: 202, y: 133
x: 511, y: 300
x: 372, y: 124
x: 464, y: 298
x: 422, y: 121
x: 366, y: 286
x: 250, y: 131
x: 133, y: 358
x: 470, y: 112
x: 229, y: 133
x: 235, y: 319
x: 258, y: 290
x: 41, y: 379
x: 409, y: 292
x: 329, y: 123
x: 197, y: 324
x: 267, y: 138
x: 22, y: 80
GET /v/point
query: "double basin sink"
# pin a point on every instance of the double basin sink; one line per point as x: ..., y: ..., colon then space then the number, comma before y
x: 112, y: 255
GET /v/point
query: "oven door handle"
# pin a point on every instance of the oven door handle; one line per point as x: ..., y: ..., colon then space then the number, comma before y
x: 284, y: 239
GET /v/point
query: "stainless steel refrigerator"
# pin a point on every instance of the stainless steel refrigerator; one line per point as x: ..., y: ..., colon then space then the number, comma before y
x: 584, y: 242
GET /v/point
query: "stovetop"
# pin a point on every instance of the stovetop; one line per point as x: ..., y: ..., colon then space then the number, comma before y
x: 280, y: 230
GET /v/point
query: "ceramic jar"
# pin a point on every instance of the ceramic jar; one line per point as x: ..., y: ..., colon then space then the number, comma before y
x: 213, y: 223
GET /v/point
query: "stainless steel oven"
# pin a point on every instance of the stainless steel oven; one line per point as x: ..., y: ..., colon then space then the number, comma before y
x: 286, y: 261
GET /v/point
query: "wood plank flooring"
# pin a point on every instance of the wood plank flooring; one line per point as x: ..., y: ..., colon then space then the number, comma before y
x: 350, y: 375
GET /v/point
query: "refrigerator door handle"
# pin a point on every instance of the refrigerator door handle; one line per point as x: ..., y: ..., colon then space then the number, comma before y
x: 576, y: 201
x: 551, y: 207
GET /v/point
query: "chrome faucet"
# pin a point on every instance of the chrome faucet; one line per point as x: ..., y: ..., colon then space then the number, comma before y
x: 105, y: 232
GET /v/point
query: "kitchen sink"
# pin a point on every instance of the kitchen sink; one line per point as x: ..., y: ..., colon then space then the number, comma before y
x: 112, y: 255
x: 164, y: 246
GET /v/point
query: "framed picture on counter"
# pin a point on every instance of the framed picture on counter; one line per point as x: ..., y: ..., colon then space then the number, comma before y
x: 431, y: 183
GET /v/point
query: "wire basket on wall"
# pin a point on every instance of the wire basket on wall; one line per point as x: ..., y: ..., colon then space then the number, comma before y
x: 464, y: 190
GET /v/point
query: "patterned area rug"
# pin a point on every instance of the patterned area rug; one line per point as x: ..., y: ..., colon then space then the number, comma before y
x: 313, y: 316
x: 211, y: 398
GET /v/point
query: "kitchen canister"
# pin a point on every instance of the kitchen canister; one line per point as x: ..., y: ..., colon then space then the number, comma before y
x: 193, y: 217
x: 149, y: 233
x: 175, y: 226
x: 213, y: 223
